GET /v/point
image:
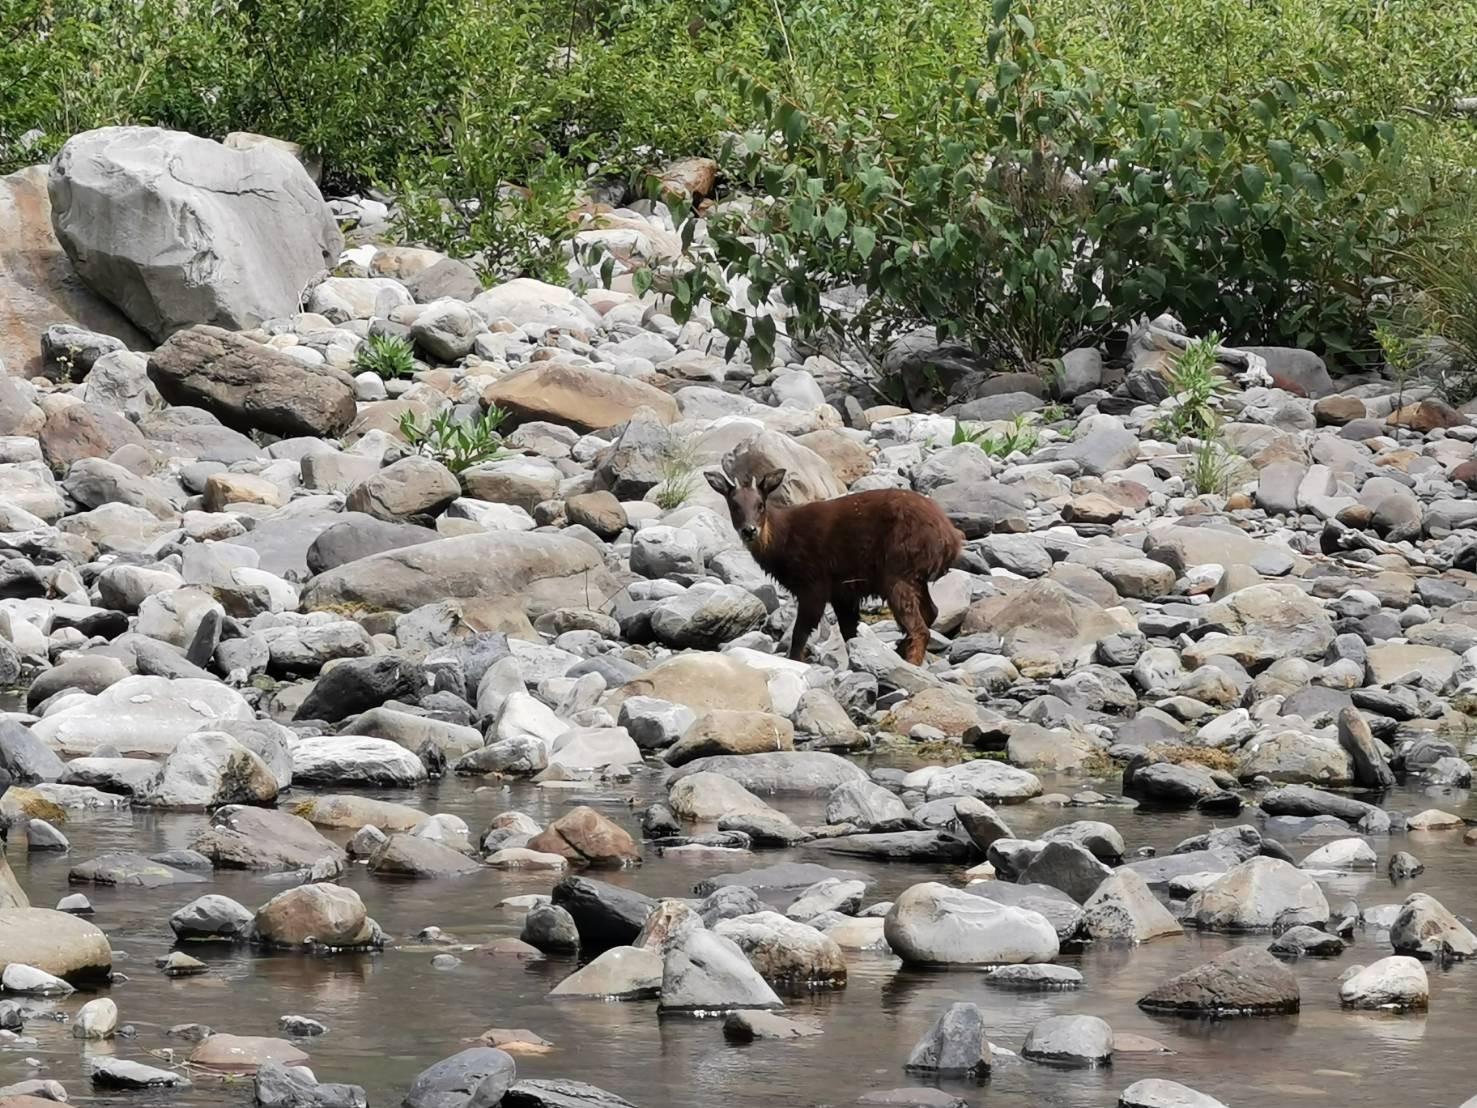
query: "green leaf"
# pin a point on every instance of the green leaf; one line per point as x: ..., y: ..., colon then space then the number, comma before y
x: 1254, y: 181
x: 835, y: 221
x: 865, y: 240
x: 641, y: 280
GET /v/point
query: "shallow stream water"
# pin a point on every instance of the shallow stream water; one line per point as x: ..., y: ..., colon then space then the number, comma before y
x: 391, y: 1014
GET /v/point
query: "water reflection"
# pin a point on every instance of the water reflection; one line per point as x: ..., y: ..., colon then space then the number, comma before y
x: 391, y: 1014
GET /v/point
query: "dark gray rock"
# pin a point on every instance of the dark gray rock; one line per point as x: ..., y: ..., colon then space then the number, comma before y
x: 958, y: 1045
x: 24, y: 758
x: 605, y: 915
x: 1243, y: 982
x: 478, y: 1077
x: 355, y: 685
x: 279, y: 1086
x: 1068, y: 867
x: 558, y: 1093
x: 361, y: 535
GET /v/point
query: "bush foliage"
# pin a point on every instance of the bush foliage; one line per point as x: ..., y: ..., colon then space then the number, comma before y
x: 1022, y: 175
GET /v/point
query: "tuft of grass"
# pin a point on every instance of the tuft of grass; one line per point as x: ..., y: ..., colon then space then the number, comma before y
x: 456, y: 444
x: 679, y: 474
x: 389, y: 356
x: 1212, y: 465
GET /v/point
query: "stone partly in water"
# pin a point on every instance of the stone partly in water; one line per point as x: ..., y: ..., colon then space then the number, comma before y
x: 934, y: 924
x: 708, y: 973
x: 1254, y: 895
x: 314, y: 916
x: 1397, y: 982
x: 477, y: 1077
x: 1243, y: 982
x: 1155, y: 1092
x: 1071, y: 1041
x: 958, y: 1045
x: 54, y: 942
x: 1424, y: 928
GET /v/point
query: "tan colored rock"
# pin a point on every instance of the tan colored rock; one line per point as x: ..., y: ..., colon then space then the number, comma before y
x: 847, y: 458
x: 353, y: 812
x: 729, y: 732
x: 11, y: 893
x: 584, y: 836
x: 325, y: 914
x: 223, y: 489
x: 581, y: 397
x: 952, y: 710
x: 56, y: 942
x: 244, y: 1053
x: 41, y: 285
x: 703, y: 681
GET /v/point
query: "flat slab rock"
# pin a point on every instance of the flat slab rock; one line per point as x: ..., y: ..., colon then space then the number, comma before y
x: 912, y: 1098
x: 245, y: 1053
x: 1157, y: 1093
x: 1244, y: 982
x: 130, y: 869
x: 557, y: 1093
x: 119, y: 1073
x: 1033, y: 977
x: 782, y: 877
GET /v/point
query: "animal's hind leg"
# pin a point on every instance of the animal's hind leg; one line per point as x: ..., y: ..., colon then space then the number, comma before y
x: 806, y: 621
x: 930, y: 609
x: 848, y: 614
x: 907, y: 608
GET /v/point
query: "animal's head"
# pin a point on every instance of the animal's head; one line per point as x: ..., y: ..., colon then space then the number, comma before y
x: 747, y: 500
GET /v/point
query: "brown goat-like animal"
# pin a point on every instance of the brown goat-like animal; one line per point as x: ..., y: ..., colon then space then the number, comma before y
x: 888, y: 543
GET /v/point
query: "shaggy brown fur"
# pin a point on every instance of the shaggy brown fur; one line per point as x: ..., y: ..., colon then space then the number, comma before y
x: 888, y: 543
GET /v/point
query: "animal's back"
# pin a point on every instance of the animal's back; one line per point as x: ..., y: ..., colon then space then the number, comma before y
x: 866, y: 540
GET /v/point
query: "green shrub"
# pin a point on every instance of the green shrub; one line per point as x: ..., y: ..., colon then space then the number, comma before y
x: 456, y: 444
x: 1195, y: 383
x: 1035, y: 206
x: 390, y: 356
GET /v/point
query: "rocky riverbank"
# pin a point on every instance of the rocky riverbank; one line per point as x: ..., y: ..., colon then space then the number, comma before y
x: 248, y: 592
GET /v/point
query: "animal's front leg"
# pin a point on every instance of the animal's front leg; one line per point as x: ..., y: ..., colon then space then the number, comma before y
x: 806, y: 621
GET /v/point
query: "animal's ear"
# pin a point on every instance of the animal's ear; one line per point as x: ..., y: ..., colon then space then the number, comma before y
x: 771, y: 481
x: 722, y: 484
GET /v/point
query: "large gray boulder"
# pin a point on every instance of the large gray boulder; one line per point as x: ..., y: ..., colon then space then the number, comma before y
x: 1425, y: 928
x: 55, y: 942
x: 542, y: 571
x: 249, y: 386
x: 1123, y: 909
x: 934, y: 924
x: 1254, y: 894
x: 709, y: 973
x: 176, y: 229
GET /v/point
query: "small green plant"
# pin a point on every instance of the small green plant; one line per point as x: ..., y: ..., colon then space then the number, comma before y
x: 1195, y: 385
x: 456, y: 444
x: 1400, y: 355
x: 389, y: 356
x: 1053, y: 413
x: 679, y: 474
x: 1021, y: 436
x: 1212, y: 466
x: 963, y: 433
